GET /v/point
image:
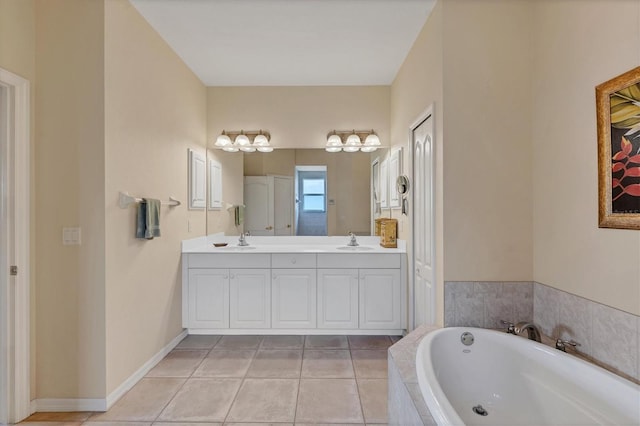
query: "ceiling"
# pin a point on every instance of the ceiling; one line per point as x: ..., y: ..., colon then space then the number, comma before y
x: 289, y: 42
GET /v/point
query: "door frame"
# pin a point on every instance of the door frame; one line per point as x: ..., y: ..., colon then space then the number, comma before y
x: 15, y: 378
x: 427, y: 113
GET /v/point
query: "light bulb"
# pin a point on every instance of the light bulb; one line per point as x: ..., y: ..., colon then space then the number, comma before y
x: 368, y: 148
x: 260, y: 140
x: 247, y: 148
x: 353, y: 140
x: 242, y: 140
x: 230, y: 148
x: 372, y: 140
x: 265, y: 149
x: 333, y: 149
x: 223, y: 140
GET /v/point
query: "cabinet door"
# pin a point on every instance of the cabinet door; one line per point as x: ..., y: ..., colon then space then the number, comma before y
x: 380, y: 306
x: 337, y: 298
x: 293, y: 298
x: 250, y: 298
x: 208, y: 298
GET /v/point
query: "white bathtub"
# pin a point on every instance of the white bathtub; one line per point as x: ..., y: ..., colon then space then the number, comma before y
x: 518, y: 382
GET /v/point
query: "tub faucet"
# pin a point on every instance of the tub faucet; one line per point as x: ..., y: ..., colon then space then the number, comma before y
x: 353, y: 242
x: 532, y: 331
x: 242, y: 241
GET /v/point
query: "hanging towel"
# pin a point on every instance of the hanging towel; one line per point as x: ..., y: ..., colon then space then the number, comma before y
x: 148, y: 219
x: 239, y: 211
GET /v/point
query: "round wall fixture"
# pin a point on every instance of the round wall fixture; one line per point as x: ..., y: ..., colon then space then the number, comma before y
x: 402, y: 184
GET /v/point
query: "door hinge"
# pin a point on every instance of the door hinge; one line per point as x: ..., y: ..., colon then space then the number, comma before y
x: 13, y: 270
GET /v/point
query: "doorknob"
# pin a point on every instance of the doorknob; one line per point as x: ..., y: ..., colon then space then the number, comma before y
x: 269, y: 228
x: 288, y: 226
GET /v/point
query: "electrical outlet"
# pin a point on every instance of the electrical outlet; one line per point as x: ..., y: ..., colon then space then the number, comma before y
x: 71, y: 236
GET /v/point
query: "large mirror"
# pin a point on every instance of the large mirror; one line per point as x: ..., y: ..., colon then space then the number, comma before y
x: 292, y: 192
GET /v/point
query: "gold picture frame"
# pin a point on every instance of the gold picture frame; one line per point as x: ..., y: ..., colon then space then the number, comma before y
x: 618, y: 113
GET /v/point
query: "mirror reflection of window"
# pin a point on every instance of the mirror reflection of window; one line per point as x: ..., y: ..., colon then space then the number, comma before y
x: 311, y: 193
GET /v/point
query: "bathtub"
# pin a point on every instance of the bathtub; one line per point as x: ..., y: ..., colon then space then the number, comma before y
x: 502, y: 379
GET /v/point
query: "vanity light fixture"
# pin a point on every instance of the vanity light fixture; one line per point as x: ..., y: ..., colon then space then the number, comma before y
x: 245, y: 141
x: 353, y: 142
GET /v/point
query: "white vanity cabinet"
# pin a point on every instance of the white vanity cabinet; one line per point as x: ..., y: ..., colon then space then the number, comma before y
x: 380, y: 302
x: 208, y: 291
x: 249, y: 298
x: 294, y: 293
x: 337, y: 298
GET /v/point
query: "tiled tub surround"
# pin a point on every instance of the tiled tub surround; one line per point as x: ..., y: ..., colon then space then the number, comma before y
x: 607, y: 336
x: 406, y: 404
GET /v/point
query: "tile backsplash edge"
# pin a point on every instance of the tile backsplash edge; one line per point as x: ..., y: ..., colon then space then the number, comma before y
x: 607, y: 336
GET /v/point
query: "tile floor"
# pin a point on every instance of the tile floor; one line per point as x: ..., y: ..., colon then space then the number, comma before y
x: 241, y: 380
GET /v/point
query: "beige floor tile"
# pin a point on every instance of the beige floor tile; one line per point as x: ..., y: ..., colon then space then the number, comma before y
x: 328, y: 401
x: 369, y: 342
x: 330, y: 424
x: 262, y: 424
x: 373, y: 396
x: 370, y: 364
x: 225, y: 363
x: 282, y: 342
x: 185, y: 424
x: 194, y: 341
x: 283, y: 364
x: 202, y: 400
x: 327, y: 364
x: 77, y: 416
x: 238, y: 342
x: 143, y: 402
x: 180, y: 363
x: 265, y: 400
x: 90, y: 423
x: 326, y: 342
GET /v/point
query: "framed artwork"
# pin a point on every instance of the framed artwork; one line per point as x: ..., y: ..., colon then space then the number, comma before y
x: 618, y: 112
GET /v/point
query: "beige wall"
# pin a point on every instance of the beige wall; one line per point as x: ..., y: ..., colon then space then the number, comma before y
x: 18, y: 55
x: 487, y: 148
x: 348, y: 182
x: 570, y: 252
x: 70, y: 185
x: 223, y: 220
x: 298, y: 117
x: 154, y: 111
x: 418, y: 85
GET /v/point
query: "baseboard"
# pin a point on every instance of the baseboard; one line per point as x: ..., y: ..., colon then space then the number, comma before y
x: 70, y: 404
x: 103, y: 404
x: 142, y: 371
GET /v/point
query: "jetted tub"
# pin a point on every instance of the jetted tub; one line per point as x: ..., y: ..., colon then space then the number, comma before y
x: 502, y: 379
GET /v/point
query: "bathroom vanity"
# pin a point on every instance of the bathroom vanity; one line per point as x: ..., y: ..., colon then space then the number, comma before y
x: 293, y: 285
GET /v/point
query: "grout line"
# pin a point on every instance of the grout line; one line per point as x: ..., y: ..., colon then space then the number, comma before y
x: 244, y: 377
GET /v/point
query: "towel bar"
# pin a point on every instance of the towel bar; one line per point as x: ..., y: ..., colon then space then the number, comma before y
x: 126, y: 200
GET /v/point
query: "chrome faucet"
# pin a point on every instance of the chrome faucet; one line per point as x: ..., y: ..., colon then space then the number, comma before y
x: 353, y: 242
x: 242, y: 241
x: 532, y: 331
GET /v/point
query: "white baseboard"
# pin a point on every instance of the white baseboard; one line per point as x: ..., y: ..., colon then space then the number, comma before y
x: 142, y: 371
x: 70, y: 404
x: 103, y: 404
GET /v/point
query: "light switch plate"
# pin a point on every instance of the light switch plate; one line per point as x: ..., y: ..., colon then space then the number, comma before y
x: 71, y: 236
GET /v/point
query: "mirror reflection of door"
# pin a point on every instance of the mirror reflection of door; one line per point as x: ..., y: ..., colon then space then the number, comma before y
x: 311, y: 200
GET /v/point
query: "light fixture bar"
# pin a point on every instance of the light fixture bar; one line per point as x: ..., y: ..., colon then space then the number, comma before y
x: 244, y: 140
x: 353, y: 141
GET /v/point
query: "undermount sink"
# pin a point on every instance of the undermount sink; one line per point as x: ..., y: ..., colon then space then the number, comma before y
x: 237, y: 248
x: 355, y: 248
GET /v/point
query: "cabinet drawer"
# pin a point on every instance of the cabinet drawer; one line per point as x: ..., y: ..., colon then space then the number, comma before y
x: 364, y: 260
x: 229, y: 260
x: 293, y: 260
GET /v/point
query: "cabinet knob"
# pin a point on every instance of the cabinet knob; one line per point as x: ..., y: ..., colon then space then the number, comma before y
x: 225, y: 277
x: 293, y: 261
x: 269, y: 228
x: 288, y: 226
x: 232, y: 276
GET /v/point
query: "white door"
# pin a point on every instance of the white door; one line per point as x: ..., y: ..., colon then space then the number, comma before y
x: 14, y: 248
x: 293, y: 303
x: 250, y: 298
x: 337, y: 298
x: 258, y: 201
x: 423, y: 222
x: 208, y: 298
x: 283, y: 205
x: 380, y: 306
